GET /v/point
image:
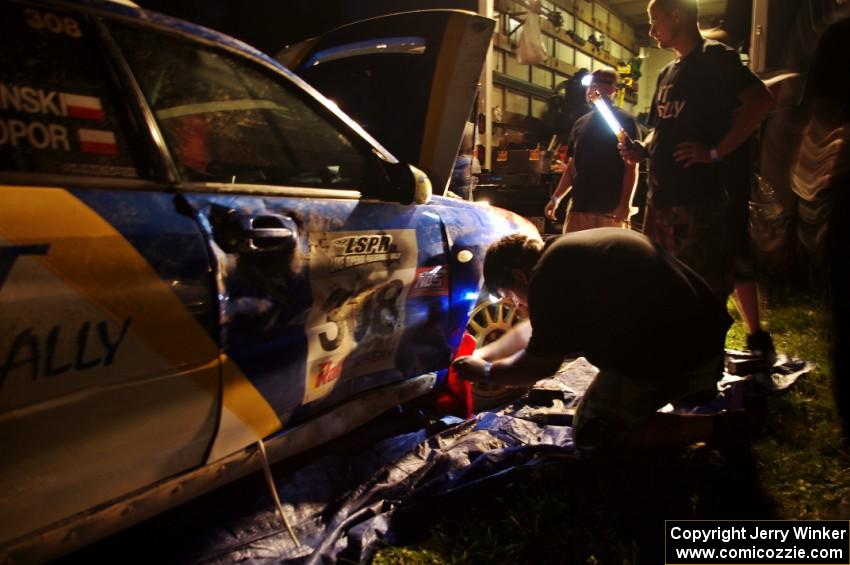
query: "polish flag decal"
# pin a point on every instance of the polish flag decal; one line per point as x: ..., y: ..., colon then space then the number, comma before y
x: 98, y: 141
x: 87, y: 107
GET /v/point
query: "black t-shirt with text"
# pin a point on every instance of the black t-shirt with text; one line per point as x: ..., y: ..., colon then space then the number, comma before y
x: 618, y: 299
x: 695, y: 99
x: 597, y: 165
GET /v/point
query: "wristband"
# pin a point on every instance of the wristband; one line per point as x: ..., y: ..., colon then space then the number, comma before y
x: 486, y: 378
x: 715, y: 156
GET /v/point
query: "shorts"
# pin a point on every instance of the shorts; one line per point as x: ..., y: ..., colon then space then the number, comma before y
x: 738, y: 172
x: 697, y: 238
x: 614, y: 402
x: 739, y: 232
x: 580, y: 221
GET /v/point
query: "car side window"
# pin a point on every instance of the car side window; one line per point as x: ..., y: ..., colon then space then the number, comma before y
x: 227, y: 120
x: 58, y: 105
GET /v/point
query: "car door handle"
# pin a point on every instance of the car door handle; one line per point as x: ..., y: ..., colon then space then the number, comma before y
x: 239, y: 232
x: 266, y: 232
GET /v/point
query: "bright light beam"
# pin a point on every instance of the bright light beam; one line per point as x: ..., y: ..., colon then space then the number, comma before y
x: 615, y: 126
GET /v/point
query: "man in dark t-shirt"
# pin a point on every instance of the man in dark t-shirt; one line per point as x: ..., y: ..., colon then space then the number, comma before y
x: 706, y: 104
x: 602, y: 183
x: 648, y: 322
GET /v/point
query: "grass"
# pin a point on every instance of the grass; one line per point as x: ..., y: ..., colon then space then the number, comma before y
x: 800, y: 464
x: 577, y: 512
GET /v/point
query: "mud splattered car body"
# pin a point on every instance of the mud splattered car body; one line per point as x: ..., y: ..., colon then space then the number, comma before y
x: 198, y: 252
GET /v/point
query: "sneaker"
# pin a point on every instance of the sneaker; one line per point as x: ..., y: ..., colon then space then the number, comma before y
x: 760, y: 343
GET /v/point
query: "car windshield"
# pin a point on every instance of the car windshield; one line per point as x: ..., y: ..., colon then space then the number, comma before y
x: 227, y: 120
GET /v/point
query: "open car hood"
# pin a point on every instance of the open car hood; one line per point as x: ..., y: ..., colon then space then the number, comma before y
x: 409, y: 79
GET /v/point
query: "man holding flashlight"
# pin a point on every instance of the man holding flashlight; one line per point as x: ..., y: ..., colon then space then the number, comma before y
x: 602, y: 183
x: 706, y: 104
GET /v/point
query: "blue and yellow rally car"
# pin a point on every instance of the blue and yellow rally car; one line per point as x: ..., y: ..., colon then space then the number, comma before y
x: 199, y: 252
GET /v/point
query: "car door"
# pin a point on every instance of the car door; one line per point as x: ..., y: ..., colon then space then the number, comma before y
x: 109, y: 370
x: 316, y: 251
x: 409, y: 79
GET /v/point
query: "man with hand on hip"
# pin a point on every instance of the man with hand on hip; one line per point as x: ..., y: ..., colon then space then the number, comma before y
x: 706, y: 104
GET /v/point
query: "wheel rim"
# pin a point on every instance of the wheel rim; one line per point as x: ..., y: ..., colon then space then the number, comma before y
x: 488, y: 322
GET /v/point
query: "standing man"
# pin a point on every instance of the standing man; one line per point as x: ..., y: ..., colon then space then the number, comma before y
x: 602, y: 183
x: 706, y: 104
x: 649, y: 323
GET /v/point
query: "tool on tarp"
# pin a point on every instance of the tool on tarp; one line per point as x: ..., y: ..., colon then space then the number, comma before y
x: 745, y: 363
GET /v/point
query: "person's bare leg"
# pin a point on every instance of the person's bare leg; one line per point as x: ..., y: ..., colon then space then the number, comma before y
x: 748, y: 303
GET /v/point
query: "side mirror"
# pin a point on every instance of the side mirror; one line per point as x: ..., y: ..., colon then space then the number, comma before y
x: 397, y: 182
x: 422, y: 190
x: 405, y: 184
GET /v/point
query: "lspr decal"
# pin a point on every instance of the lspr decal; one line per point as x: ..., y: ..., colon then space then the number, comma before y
x: 353, y: 250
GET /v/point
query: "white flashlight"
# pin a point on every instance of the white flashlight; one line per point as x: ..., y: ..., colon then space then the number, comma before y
x: 598, y: 101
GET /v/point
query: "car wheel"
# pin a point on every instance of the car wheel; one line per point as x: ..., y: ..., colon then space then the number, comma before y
x: 488, y: 322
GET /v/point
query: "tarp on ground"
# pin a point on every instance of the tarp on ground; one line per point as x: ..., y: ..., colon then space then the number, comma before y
x: 386, y: 490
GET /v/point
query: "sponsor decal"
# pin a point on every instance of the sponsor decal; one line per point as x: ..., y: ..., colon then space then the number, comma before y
x: 430, y: 281
x: 97, y: 141
x: 96, y: 345
x: 353, y: 250
x: 328, y: 372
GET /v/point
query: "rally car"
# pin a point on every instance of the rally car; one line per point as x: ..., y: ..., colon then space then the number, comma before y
x: 199, y: 252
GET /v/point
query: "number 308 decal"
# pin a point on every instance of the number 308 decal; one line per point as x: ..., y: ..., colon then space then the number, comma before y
x: 53, y: 23
x: 373, y: 314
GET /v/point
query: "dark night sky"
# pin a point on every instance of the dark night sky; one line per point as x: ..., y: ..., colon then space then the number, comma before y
x: 270, y: 25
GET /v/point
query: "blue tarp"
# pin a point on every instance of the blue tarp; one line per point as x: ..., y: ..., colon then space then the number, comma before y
x: 383, y: 484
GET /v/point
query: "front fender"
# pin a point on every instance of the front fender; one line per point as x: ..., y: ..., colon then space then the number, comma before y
x: 469, y: 229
